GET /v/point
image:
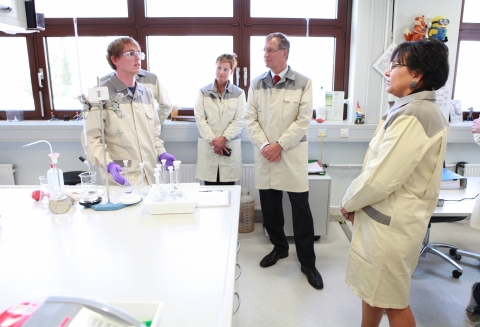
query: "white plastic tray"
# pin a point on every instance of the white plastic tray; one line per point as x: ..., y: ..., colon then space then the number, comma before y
x: 190, y: 191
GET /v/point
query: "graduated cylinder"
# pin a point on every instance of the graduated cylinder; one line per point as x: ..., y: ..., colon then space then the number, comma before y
x: 247, y: 212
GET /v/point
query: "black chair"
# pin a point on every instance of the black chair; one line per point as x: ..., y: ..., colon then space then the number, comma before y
x: 71, y: 177
x: 454, y: 251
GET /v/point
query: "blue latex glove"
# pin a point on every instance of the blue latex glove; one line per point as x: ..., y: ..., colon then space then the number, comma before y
x: 167, y: 156
x: 115, y: 170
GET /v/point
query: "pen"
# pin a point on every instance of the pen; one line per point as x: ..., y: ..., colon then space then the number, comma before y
x: 212, y: 191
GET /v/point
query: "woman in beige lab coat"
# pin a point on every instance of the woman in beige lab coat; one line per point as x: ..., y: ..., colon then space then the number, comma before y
x: 219, y: 113
x: 391, y: 202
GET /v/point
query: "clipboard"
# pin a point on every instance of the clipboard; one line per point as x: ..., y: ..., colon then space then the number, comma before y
x: 315, y: 167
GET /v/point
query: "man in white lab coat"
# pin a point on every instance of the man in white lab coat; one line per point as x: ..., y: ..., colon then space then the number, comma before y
x: 134, y: 137
x: 278, y: 114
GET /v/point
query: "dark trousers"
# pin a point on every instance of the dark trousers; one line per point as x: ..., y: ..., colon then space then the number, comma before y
x: 273, y: 221
x: 218, y: 181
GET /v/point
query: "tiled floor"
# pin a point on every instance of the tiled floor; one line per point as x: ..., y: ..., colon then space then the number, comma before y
x: 281, y: 296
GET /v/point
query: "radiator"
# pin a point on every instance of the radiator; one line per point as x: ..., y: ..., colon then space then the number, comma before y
x: 188, y: 171
x: 472, y: 170
x: 6, y: 174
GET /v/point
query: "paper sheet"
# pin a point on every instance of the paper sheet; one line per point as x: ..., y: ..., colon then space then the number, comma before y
x: 444, y: 96
x: 383, y: 63
x: 213, y: 198
x: 334, y: 104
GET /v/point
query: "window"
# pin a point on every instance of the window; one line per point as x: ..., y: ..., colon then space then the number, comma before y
x: 64, y: 77
x: 467, y: 70
x: 189, y: 8
x: 181, y: 38
x: 294, y: 9
x: 18, y: 84
x: 84, y: 8
x: 188, y: 65
x: 312, y: 56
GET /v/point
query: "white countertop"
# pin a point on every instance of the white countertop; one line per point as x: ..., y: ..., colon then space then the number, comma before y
x: 186, y: 261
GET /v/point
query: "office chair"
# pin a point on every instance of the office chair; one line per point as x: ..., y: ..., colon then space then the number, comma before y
x: 453, y: 250
x: 71, y: 178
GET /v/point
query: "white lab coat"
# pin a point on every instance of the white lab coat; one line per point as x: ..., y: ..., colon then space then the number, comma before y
x: 280, y: 113
x: 134, y: 137
x: 394, y: 198
x: 151, y: 81
x: 219, y: 116
x: 476, y: 137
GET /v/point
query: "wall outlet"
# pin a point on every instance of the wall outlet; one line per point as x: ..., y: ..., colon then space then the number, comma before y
x: 344, y: 133
x: 321, y: 132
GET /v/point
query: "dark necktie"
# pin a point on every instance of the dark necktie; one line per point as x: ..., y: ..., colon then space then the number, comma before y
x: 276, y: 78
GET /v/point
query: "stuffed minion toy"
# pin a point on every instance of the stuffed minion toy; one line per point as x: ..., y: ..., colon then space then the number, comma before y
x: 438, y: 30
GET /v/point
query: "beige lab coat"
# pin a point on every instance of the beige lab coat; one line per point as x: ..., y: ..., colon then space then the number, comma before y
x: 151, y: 82
x: 219, y: 116
x: 280, y: 113
x: 394, y: 198
x: 134, y: 137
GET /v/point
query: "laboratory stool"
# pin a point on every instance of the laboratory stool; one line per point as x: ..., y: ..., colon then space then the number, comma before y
x: 71, y: 177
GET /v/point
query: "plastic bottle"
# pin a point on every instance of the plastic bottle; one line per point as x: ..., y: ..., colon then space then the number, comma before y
x: 247, y: 212
x: 322, y: 109
x: 53, y: 174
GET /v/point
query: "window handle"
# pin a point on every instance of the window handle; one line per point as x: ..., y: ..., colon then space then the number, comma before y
x: 40, y: 77
x: 238, y: 76
x: 245, y: 76
x: 40, y: 93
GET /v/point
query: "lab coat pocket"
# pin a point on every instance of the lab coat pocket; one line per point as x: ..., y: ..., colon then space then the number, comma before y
x: 290, y: 105
x: 206, y: 170
x: 149, y: 111
x: 231, y: 112
x: 363, y: 273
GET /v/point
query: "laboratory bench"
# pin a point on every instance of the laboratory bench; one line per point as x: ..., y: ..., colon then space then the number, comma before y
x: 186, y: 261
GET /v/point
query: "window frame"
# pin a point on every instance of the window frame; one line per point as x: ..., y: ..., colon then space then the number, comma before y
x: 467, y: 32
x: 241, y: 26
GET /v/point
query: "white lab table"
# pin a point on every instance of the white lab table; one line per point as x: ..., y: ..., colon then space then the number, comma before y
x: 454, y: 207
x: 187, y: 261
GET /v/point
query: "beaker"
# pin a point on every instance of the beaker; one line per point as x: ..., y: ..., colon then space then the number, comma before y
x: 127, y: 187
x: 89, y: 186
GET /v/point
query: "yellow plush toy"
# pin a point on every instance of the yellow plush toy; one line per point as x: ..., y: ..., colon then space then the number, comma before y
x: 438, y: 30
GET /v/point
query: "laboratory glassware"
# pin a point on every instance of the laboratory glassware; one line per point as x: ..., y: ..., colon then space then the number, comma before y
x: 144, y: 188
x: 127, y: 188
x: 176, y: 164
x: 89, y: 186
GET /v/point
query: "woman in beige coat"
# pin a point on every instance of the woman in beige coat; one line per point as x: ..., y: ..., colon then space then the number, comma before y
x: 219, y: 112
x: 391, y: 202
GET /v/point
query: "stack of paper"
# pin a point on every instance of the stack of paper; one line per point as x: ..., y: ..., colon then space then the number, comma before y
x: 316, y: 167
x: 213, y: 198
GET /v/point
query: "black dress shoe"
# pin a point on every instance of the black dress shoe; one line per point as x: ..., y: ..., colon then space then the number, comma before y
x: 314, y: 277
x: 472, y: 312
x: 272, y: 258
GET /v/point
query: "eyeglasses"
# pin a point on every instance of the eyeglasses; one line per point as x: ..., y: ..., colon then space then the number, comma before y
x: 442, y: 21
x: 395, y: 64
x: 271, y: 50
x: 131, y: 54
